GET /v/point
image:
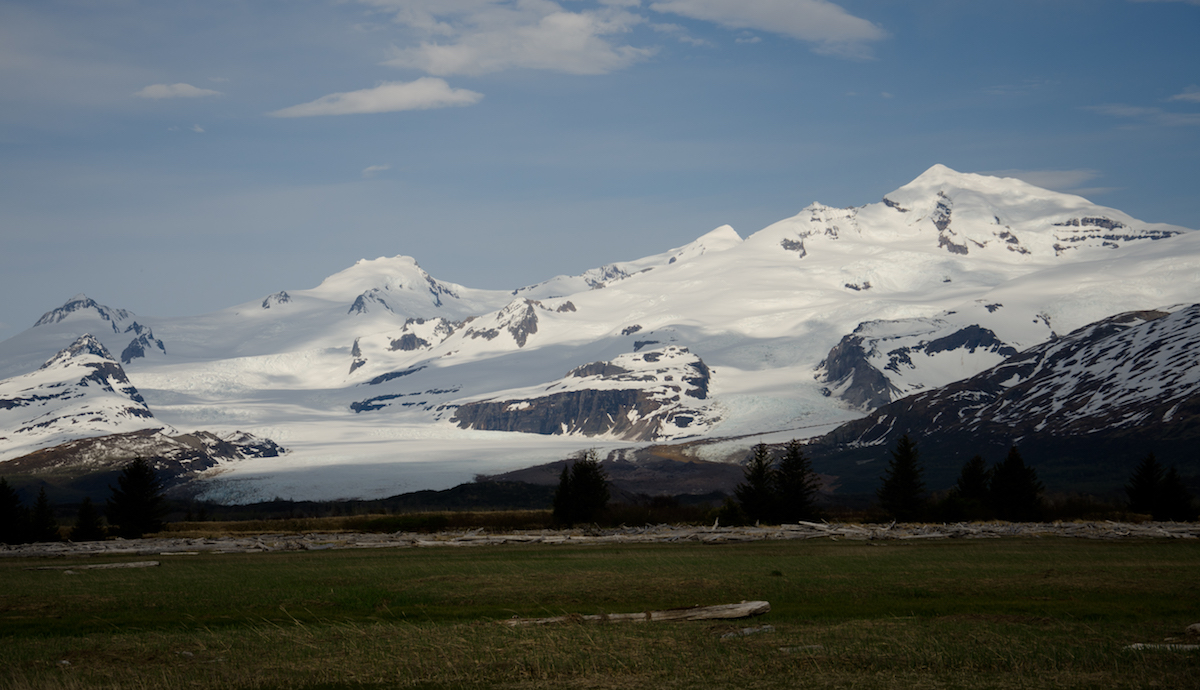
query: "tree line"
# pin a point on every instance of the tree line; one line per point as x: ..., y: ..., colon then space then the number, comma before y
x: 136, y: 507
x: 784, y: 489
x: 1010, y: 490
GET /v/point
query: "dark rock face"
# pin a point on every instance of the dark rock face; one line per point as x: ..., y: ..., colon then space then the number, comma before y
x: 364, y: 302
x: 1110, y: 232
x: 970, y: 339
x: 358, y: 359
x: 409, y: 342
x: 865, y: 387
x: 276, y: 299
x: 524, y: 325
x: 144, y: 340
x: 635, y: 402
x: 794, y: 246
x: 519, y: 319
x: 383, y: 378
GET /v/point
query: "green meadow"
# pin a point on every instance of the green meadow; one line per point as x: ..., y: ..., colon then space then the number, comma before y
x: 1000, y: 613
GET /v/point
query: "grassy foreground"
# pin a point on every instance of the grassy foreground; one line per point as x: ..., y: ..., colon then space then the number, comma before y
x: 971, y: 614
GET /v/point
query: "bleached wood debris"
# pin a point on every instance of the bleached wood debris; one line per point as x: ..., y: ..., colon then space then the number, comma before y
x: 744, y: 609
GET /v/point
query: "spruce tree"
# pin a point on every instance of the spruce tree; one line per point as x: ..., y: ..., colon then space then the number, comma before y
x: 583, y: 492
x: 902, y: 493
x: 14, y: 517
x: 756, y: 495
x: 562, y: 497
x: 1016, y: 491
x: 137, y: 506
x: 42, y: 524
x: 796, y: 485
x: 1176, y: 502
x: 88, y: 526
x: 1145, y: 486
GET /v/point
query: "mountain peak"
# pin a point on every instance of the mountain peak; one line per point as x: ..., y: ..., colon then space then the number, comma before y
x: 80, y: 304
x: 84, y: 345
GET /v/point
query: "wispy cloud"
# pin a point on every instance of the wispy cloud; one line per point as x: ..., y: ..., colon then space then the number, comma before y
x: 830, y: 29
x: 371, y: 170
x: 680, y: 33
x: 157, y: 91
x: 1191, y: 93
x: 476, y: 37
x: 423, y: 94
x: 1057, y: 180
x: 1150, y: 116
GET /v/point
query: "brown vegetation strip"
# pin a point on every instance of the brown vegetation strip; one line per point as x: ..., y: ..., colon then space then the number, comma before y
x: 625, y: 535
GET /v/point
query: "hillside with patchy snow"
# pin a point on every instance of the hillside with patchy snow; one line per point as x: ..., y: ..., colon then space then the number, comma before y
x: 383, y: 379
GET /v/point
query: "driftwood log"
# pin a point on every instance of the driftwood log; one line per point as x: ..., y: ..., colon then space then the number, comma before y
x: 99, y: 566
x: 745, y: 609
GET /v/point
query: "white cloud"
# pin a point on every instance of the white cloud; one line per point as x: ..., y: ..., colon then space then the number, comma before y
x: 198, y: 129
x: 370, y: 170
x: 422, y: 94
x: 1191, y: 93
x: 157, y: 91
x: 1057, y: 180
x: 482, y: 36
x: 830, y: 29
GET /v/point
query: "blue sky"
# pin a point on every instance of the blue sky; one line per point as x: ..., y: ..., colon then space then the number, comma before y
x: 175, y: 158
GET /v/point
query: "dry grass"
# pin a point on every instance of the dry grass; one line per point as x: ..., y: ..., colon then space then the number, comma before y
x: 998, y: 614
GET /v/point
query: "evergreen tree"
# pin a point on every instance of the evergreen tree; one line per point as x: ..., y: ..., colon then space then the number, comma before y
x: 87, y: 523
x: 969, y: 499
x: 756, y: 495
x: 796, y: 485
x: 137, y: 507
x: 1015, y: 490
x: 563, y: 513
x: 582, y: 493
x: 902, y: 493
x: 14, y: 517
x: 1145, y: 486
x: 974, y: 483
x: 1176, y: 502
x: 42, y: 524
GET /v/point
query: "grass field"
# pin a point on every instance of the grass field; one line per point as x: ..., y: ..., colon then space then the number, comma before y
x: 973, y: 614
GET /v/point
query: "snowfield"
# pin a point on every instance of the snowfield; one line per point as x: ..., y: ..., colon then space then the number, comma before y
x: 366, y: 378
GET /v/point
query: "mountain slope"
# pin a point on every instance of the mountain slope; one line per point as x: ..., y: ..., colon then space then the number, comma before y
x: 808, y: 323
x: 1092, y: 402
x: 80, y: 392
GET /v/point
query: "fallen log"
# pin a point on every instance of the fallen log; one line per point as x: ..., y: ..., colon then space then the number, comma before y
x: 99, y: 566
x: 745, y: 609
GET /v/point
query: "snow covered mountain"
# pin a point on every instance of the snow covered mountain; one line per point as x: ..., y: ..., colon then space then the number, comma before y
x: 79, y: 393
x: 383, y: 379
x: 1123, y: 386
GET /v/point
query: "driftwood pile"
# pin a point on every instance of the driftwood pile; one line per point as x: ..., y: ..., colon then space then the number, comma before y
x: 623, y: 535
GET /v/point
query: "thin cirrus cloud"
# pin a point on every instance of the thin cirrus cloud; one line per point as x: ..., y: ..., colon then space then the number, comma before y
x: 830, y: 29
x: 423, y: 94
x: 527, y: 35
x: 1191, y: 94
x: 1149, y: 116
x: 159, y: 91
